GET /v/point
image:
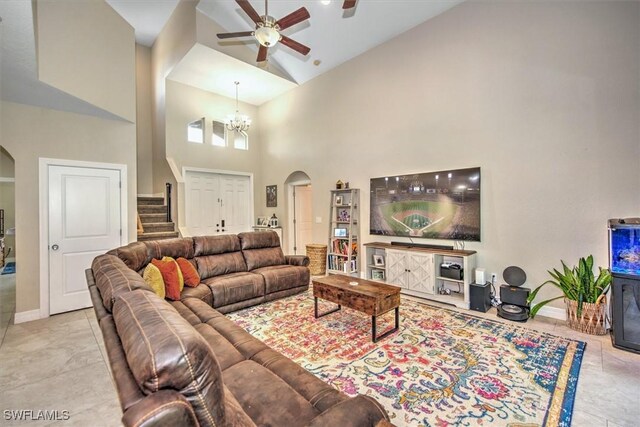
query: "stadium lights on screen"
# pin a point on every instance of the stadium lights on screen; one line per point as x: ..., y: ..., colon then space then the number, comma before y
x: 427, y: 206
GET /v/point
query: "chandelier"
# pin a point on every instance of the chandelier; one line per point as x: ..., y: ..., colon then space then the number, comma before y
x: 237, y: 122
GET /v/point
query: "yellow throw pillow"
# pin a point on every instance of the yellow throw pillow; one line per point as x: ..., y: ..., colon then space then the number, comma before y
x: 180, y: 276
x: 153, y: 277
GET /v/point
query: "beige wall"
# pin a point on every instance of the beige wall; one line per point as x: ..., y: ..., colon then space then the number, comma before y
x: 544, y: 97
x: 58, y: 135
x: 143, y: 120
x: 175, y: 40
x: 86, y: 49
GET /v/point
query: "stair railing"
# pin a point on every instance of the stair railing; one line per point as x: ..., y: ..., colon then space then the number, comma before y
x: 168, y: 200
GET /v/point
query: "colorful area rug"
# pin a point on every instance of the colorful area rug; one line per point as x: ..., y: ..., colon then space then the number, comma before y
x: 9, y: 268
x: 442, y: 368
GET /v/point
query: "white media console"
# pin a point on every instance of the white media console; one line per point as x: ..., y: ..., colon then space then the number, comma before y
x: 417, y: 271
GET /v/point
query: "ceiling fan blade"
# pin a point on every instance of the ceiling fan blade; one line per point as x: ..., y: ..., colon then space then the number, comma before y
x: 262, y: 54
x: 249, y: 10
x: 232, y: 35
x: 298, y: 47
x: 293, y: 18
x: 349, y: 4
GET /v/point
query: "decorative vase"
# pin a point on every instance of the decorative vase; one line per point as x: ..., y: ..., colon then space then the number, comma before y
x: 592, y: 320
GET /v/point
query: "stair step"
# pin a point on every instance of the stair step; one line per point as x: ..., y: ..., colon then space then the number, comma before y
x: 152, y: 209
x: 157, y: 236
x: 150, y: 200
x: 152, y: 227
x: 147, y: 218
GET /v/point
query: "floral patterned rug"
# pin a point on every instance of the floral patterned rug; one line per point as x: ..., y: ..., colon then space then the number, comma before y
x: 442, y: 368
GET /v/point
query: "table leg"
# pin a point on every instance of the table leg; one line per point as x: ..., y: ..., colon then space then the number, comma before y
x: 315, y: 309
x: 389, y: 332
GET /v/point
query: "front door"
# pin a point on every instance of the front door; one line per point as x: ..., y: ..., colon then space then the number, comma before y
x: 84, y: 222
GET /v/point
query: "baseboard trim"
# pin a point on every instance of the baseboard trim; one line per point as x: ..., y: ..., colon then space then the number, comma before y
x: 151, y: 195
x: 26, y: 316
x: 553, y: 312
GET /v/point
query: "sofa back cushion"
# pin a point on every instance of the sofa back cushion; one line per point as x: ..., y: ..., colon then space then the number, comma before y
x: 164, y: 351
x: 134, y: 255
x: 174, y: 248
x: 261, y: 249
x: 114, y: 278
x: 218, y: 255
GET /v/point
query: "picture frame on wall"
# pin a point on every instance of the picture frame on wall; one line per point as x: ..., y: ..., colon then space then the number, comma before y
x: 378, y: 260
x: 272, y: 196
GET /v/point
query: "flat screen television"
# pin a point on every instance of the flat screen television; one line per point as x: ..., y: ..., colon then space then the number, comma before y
x: 433, y: 205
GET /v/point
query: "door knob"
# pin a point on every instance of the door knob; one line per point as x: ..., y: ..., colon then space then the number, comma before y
x: 55, y: 247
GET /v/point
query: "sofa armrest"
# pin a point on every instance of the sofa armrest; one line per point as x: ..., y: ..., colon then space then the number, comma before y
x: 163, y: 408
x: 359, y: 411
x: 300, y: 260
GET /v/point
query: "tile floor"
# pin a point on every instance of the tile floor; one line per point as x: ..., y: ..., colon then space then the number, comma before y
x: 60, y: 364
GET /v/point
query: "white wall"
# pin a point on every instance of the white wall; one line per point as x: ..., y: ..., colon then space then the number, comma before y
x: 544, y: 97
x: 86, y: 49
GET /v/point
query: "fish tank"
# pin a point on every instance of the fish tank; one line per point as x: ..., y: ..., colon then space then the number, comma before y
x: 624, y: 246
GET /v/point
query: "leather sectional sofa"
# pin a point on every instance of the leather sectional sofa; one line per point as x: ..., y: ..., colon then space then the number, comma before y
x: 183, y: 363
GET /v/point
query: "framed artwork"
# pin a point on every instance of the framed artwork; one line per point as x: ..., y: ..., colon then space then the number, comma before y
x: 338, y: 200
x: 262, y: 221
x: 377, y: 274
x: 272, y: 196
x: 340, y: 232
x: 378, y: 260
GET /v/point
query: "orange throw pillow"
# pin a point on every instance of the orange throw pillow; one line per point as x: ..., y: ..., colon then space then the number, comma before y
x: 169, y: 272
x: 189, y: 272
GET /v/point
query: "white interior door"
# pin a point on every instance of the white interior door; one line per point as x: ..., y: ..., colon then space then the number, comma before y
x: 84, y: 222
x: 303, y: 217
x: 235, y: 204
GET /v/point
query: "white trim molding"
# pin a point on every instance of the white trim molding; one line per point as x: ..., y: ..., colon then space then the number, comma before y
x: 28, y: 316
x: 553, y: 312
x: 43, y: 196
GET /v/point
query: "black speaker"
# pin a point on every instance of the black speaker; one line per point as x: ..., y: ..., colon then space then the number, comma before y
x: 480, y: 297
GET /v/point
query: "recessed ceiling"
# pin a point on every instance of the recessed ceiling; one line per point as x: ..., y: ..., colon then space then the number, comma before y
x: 334, y: 35
x: 147, y: 17
x: 213, y: 71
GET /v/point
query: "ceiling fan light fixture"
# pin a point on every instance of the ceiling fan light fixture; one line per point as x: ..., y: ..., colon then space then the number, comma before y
x: 267, y: 36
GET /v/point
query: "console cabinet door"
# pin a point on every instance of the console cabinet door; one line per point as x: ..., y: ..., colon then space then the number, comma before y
x: 396, y: 268
x: 420, y: 272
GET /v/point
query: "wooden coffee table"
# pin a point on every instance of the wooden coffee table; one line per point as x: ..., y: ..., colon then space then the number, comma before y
x: 368, y: 297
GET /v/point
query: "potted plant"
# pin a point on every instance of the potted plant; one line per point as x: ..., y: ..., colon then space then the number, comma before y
x: 583, y: 293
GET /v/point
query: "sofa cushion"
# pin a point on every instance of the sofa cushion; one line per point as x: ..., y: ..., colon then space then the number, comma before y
x: 113, y: 278
x: 169, y: 271
x: 261, y: 249
x: 217, y: 265
x: 134, y: 255
x: 235, y: 287
x: 189, y: 272
x: 174, y: 248
x: 215, y: 245
x: 201, y: 292
x: 283, y: 277
x: 276, y: 403
x: 153, y: 277
x: 164, y: 351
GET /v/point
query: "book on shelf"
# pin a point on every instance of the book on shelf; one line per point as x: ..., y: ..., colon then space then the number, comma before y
x: 338, y: 263
x: 341, y: 246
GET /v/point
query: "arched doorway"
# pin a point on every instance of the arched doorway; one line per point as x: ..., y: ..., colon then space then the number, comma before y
x: 7, y: 240
x: 300, y: 212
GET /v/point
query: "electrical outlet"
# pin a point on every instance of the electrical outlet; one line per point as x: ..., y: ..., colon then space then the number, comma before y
x: 494, y: 277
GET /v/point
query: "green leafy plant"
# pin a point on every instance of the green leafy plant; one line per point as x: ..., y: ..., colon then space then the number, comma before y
x: 577, y: 284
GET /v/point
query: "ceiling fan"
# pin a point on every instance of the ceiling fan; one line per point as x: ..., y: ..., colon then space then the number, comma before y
x: 267, y: 31
x: 349, y: 4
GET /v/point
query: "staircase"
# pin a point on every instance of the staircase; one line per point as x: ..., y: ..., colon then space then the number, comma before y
x: 153, y: 215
